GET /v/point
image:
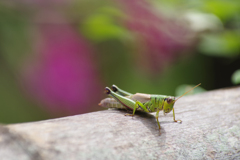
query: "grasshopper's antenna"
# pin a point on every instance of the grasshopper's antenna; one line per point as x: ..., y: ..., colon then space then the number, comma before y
x: 187, y: 92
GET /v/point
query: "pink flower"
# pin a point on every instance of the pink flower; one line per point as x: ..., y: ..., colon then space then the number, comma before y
x: 161, y: 39
x: 62, y: 76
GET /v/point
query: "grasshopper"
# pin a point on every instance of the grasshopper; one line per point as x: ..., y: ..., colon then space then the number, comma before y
x: 140, y: 101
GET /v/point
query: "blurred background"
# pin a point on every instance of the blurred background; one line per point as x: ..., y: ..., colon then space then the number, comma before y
x: 57, y: 56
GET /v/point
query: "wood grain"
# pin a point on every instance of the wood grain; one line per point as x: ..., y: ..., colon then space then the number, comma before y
x: 210, y: 130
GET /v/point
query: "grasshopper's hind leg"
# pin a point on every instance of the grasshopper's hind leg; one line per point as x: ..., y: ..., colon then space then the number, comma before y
x: 126, y: 101
x: 120, y: 91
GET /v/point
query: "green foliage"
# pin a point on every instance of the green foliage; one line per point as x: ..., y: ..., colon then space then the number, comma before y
x: 224, y: 9
x: 14, y: 31
x: 103, y: 25
x: 226, y: 44
x: 236, y: 77
x: 14, y: 49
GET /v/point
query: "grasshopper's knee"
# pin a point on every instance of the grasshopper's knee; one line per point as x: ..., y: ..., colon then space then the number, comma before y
x: 114, y: 88
x: 107, y: 90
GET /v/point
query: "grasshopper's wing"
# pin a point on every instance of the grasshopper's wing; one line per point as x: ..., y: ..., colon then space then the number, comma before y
x: 141, y: 97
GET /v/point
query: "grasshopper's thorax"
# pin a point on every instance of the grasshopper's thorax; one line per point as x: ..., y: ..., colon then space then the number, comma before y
x: 168, y: 104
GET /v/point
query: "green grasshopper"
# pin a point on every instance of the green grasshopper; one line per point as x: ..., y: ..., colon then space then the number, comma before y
x: 139, y: 101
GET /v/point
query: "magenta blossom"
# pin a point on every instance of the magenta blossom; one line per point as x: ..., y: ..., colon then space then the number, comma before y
x: 62, y: 75
x: 163, y: 39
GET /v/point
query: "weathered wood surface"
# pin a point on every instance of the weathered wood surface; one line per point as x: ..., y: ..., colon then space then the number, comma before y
x: 210, y: 130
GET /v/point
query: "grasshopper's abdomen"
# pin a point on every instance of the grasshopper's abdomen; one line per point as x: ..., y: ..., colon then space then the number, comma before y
x: 111, y: 103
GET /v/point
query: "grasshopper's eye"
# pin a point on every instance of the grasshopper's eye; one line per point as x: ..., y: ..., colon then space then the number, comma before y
x: 169, y: 100
x: 114, y: 88
x: 107, y: 90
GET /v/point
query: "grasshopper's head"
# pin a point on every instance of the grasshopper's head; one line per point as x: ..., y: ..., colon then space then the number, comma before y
x: 169, y: 101
x: 168, y: 104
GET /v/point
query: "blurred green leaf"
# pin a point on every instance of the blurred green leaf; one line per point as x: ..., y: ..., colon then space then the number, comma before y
x: 104, y: 25
x: 236, y: 77
x: 224, y: 9
x: 180, y: 90
x: 15, y: 39
x: 226, y: 44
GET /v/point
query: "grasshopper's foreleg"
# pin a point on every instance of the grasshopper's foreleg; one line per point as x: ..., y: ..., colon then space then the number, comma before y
x: 174, y: 117
x: 120, y: 91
